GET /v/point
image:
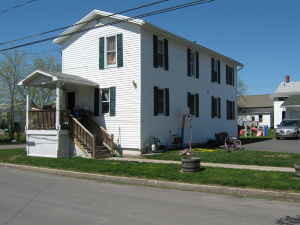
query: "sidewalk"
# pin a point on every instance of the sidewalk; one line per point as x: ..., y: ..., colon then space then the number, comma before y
x: 12, y: 146
x: 221, y: 165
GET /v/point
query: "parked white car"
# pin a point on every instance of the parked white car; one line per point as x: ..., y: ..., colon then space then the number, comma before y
x: 288, y: 129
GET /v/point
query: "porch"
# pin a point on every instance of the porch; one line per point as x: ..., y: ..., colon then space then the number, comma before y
x: 66, y: 129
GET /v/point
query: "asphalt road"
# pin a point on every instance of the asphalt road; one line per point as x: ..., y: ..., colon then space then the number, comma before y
x: 282, y: 145
x: 28, y: 198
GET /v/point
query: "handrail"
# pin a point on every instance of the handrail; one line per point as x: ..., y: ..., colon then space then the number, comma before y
x: 108, y: 140
x: 79, y: 132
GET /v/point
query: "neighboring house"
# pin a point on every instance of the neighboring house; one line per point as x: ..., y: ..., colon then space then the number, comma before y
x: 137, y: 81
x: 286, y: 101
x: 256, y: 110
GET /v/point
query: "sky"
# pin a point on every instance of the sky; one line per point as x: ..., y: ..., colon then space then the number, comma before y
x: 264, y: 35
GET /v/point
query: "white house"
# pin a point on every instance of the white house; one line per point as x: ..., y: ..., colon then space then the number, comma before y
x: 286, y: 101
x: 131, y: 81
x: 255, y: 110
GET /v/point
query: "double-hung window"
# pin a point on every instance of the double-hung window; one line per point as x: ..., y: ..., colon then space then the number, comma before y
x: 192, y: 63
x: 231, y: 110
x: 215, y: 70
x: 193, y: 104
x: 161, y: 101
x: 160, y: 53
x: 105, y: 99
x: 215, y: 107
x: 229, y: 75
x: 111, y: 51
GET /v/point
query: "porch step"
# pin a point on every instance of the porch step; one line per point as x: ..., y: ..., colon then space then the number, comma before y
x: 102, y: 152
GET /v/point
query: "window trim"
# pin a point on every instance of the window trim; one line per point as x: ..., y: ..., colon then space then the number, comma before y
x: 105, y: 51
x: 108, y: 101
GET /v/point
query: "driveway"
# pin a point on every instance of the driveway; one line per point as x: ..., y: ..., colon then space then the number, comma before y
x: 29, y: 198
x: 284, y: 145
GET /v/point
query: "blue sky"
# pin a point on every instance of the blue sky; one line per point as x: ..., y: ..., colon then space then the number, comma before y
x: 262, y: 34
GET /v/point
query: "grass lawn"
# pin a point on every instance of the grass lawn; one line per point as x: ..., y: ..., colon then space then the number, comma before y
x: 218, y: 176
x: 240, y: 157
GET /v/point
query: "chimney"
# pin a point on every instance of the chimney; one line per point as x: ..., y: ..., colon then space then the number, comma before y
x: 287, y: 79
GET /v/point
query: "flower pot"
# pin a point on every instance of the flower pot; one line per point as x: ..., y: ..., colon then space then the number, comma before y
x: 297, y: 170
x: 190, y: 164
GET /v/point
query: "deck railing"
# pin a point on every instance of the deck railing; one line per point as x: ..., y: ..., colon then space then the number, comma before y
x: 46, y: 120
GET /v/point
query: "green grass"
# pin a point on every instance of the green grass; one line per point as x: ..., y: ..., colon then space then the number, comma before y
x: 244, y: 157
x: 168, y: 172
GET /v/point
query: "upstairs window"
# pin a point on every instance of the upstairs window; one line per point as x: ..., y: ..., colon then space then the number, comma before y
x: 160, y: 52
x: 111, y: 51
x: 229, y: 75
x: 230, y: 105
x: 215, y: 70
x: 215, y: 107
x: 192, y: 63
x: 193, y: 104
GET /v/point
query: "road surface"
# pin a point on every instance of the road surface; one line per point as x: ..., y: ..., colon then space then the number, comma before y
x: 29, y: 198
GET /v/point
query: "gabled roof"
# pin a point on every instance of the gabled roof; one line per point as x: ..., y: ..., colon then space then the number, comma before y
x: 41, y: 78
x: 286, y: 89
x: 292, y: 101
x: 255, y: 101
x: 97, y: 14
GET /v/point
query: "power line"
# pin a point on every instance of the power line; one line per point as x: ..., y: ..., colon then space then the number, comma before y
x: 151, y: 13
x: 3, y: 11
x: 85, y: 22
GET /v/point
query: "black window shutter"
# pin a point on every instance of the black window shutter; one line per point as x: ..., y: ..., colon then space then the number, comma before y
x: 228, y: 109
x: 120, y: 49
x: 112, y: 103
x: 219, y: 71
x: 197, y: 105
x: 155, y: 102
x: 212, y: 107
x: 101, y: 53
x: 166, y: 53
x: 155, y: 51
x: 219, y: 107
x: 167, y: 99
x: 212, y: 70
x: 233, y: 110
x: 189, y: 62
x: 96, y: 101
x: 197, y: 65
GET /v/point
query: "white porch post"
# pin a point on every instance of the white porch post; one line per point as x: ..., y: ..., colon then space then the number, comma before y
x: 28, y: 106
x: 58, y: 96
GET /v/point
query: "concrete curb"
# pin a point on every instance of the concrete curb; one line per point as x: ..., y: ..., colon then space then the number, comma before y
x: 240, y: 192
x: 219, y: 165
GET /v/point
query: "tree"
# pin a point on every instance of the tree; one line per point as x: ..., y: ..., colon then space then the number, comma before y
x: 12, y: 70
x: 241, y: 88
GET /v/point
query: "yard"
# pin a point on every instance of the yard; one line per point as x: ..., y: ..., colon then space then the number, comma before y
x: 244, y: 157
x: 169, y: 172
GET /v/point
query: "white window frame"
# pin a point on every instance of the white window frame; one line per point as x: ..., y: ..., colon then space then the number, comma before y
x: 164, y: 101
x: 108, y: 101
x: 161, y: 52
x: 105, y: 51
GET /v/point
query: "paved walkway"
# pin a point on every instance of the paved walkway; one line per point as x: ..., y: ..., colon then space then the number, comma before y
x: 221, y: 165
x: 6, y: 147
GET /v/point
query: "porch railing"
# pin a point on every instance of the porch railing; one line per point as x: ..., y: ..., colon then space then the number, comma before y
x: 108, y: 140
x: 46, y: 120
x: 85, y: 137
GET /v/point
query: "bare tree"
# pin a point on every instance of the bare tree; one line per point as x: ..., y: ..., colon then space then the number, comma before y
x: 12, y: 70
x: 241, y: 88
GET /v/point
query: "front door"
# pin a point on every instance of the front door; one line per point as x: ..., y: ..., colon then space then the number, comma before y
x: 71, y: 101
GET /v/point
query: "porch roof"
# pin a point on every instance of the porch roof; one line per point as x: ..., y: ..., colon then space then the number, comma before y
x: 292, y: 101
x: 45, y: 79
